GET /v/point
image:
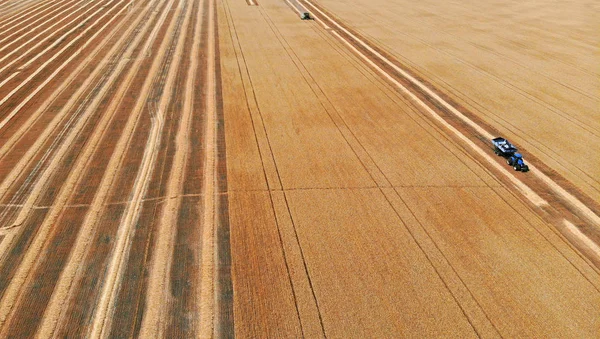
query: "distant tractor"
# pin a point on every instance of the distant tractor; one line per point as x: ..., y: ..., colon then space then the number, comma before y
x: 507, y: 150
x: 305, y: 16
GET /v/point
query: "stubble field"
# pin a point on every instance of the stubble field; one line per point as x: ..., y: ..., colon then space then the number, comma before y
x: 223, y: 168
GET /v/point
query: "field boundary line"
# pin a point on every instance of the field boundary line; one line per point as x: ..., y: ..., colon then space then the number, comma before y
x: 316, y: 324
x: 253, y: 108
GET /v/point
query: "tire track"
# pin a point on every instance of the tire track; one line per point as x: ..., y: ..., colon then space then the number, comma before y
x: 27, y: 185
x: 511, y: 85
x: 572, y: 170
x: 18, y: 170
x: 476, y: 316
x: 265, y: 156
x: 43, y: 137
x: 224, y: 315
x: 183, y: 305
x: 83, y: 112
x: 8, y: 145
x: 503, y: 40
x: 582, y: 210
x: 27, y: 18
x: 544, y: 149
x: 187, y: 249
x: 84, y: 291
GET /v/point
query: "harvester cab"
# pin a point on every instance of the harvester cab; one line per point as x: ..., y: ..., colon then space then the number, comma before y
x: 517, y: 162
x: 305, y: 16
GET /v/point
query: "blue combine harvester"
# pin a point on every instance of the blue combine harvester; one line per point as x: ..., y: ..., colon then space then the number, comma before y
x: 507, y: 150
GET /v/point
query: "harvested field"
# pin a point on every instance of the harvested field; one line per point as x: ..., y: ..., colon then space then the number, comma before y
x: 176, y: 168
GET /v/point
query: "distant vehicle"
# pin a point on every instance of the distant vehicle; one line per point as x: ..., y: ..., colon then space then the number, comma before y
x: 305, y: 16
x: 507, y: 150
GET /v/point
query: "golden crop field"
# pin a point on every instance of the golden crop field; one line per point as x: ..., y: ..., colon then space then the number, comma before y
x: 222, y: 168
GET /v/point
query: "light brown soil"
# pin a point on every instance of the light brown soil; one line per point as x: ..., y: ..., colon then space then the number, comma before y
x: 528, y: 68
x: 363, y: 254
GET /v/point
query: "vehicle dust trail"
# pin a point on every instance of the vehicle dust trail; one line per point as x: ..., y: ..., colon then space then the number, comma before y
x: 296, y: 6
x: 19, y: 16
x: 51, y: 47
x: 155, y: 319
x: 21, y: 54
x: 18, y: 281
x: 102, y: 318
x: 206, y: 315
x: 586, y: 212
x: 58, y: 69
x: 36, y: 23
x: 62, y: 292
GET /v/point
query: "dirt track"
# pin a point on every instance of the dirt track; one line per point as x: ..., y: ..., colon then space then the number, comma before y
x: 174, y: 168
